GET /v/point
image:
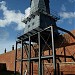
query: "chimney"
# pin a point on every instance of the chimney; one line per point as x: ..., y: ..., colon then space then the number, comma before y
x: 12, y: 47
x: 5, y: 50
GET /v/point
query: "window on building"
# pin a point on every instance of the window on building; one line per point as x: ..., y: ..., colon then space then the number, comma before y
x: 28, y: 26
x: 33, y: 23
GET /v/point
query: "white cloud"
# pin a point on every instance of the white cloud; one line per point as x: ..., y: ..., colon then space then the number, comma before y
x: 69, y: 17
x: 66, y: 15
x: 10, y: 16
x: 63, y: 8
x: 27, y: 12
x: 71, y: 1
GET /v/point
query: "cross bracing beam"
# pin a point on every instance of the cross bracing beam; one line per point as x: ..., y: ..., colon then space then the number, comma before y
x: 39, y: 59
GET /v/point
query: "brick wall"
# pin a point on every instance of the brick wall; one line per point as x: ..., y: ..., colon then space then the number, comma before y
x: 8, y: 58
x: 65, y: 47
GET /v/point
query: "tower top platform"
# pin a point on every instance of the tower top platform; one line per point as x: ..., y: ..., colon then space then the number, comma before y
x: 39, y: 5
x: 39, y: 18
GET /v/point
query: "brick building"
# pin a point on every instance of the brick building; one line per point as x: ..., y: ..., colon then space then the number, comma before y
x: 65, y: 58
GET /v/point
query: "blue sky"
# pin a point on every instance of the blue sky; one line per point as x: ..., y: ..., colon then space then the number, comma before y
x: 13, y: 11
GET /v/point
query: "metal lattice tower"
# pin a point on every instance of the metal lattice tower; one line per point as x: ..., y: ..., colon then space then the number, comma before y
x: 38, y: 23
x: 41, y: 29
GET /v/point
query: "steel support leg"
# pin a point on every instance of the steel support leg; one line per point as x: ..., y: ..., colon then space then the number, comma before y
x: 39, y: 41
x: 22, y: 58
x: 42, y: 62
x: 42, y: 67
x: 58, y: 67
x: 53, y: 49
x: 64, y: 54
x: 32, y: 68
x: 15, y: 59
x: 29, y: 56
